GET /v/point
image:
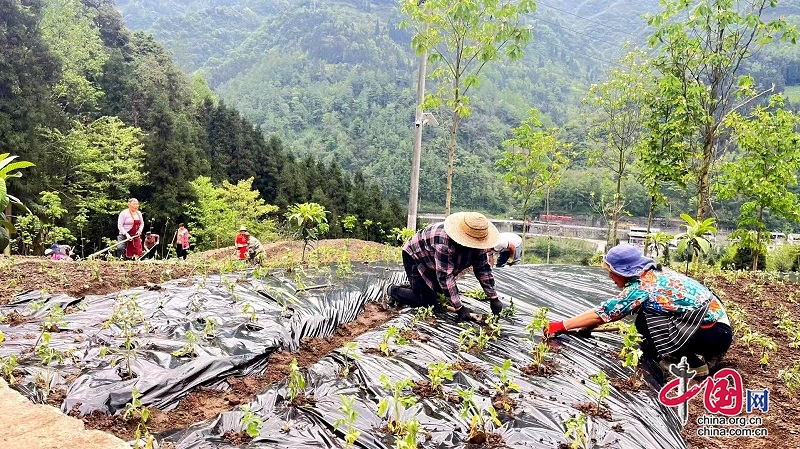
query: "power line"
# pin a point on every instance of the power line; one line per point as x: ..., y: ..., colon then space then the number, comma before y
x: 579, y: 32
x: 588, y: 19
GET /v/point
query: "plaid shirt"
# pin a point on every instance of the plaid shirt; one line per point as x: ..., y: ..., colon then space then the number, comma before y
x: 440, y: 258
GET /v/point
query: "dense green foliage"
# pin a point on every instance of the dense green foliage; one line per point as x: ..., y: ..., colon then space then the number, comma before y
x: 105, y: 115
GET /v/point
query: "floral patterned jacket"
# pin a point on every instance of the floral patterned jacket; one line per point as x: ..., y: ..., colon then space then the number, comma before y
x: 664, y: 291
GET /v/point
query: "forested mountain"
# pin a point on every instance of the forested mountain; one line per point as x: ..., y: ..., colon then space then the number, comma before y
x: 337, y: 79
x: 105, y: 114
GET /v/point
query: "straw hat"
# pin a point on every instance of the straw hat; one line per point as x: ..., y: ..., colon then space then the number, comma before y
x: 471, y: 229
x: 242, y: 228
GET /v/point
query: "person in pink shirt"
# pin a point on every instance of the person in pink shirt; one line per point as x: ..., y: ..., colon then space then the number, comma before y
x: 182, y: 241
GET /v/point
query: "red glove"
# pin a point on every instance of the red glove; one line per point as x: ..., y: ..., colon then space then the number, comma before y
x: 554, y: 328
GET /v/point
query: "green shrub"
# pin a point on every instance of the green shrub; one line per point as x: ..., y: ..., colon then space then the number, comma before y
x: 562, y: 251
x: 784, y: 258
x: 740, y: 258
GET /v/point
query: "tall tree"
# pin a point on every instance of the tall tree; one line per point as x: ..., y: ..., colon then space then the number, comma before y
x: 618, y: 124
x: 768, y: 163
x: 461, y: 37
x: 534, y: 164
x: 703, y: 45
x: 68, y: 29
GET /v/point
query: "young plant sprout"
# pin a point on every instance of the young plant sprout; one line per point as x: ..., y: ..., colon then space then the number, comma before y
x: 509, y: 311
x: 250, y: 422
x: 135, y: 408
x: 539, y: 354
x: 630, y: 353
x: 506, y: 384
x: 297, y: 383
x: 493, y: 323
x: 423, y: 314
x: 392, y: 407
x: 767, y: 344
x: 349, y: 352
x: 539, y: 322
x: 54, y: 320
x: 391, y: 333
x: 604, y: 388
x: 438, y: 372
x: 250, y: 311
x: 348, y: 420
x: 408, y: 440
x: 210, y: 328
x: 790, y: 377
x: 469, y: 339
x: 577, y: 431
x: 188, y: 348
x: 7, y: 367
x: 476, y: 293
x: 471, y: 411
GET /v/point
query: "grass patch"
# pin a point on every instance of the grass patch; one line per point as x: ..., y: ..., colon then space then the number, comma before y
x: 565, y: 251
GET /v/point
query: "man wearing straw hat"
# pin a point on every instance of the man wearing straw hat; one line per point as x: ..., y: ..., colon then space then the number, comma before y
x: 437, y: 254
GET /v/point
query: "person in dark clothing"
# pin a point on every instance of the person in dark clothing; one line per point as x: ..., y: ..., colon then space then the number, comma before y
x: 677, y: 315
x: 437, y: 254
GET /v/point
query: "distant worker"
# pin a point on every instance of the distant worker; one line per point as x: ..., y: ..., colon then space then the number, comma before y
x: 130, y: 224
x: 437, y: 254
x: 241, y: 243
x: 182, y: 241
x: 59, y: 252
x: 510, y: 244
x: 677, y: 316
x: 150, y: 242
x: 255, y: 251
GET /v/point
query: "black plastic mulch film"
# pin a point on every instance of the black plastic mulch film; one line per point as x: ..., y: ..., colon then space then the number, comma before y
x: 283, y: 318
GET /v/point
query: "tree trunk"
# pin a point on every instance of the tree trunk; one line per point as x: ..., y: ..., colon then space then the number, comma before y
x: 649, y: 225
x: 7, y: 250
x: 758, y: 239
x: 451, y: 154
x: 547, y: 226
x: 704, y: 176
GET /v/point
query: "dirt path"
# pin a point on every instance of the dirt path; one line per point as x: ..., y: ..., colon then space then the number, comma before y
x: 30, y: 426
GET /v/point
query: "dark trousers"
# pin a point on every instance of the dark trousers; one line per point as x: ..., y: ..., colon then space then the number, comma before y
x: 418, y: 294
x: 181, y: 252
x: 710, y: 343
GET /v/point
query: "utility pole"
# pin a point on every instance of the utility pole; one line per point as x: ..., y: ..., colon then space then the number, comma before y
x: 416, y: 154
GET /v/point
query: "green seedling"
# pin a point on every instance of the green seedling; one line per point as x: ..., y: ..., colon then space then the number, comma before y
x: 349, y: 352
x: 250, y: 422
x: 493, y: 323
x: 250, y: 311
x: 539, y: 354
x: 210, y: 328
x: 577, y: 431
x: 790, y: 327
x: 475, y: 414
x: 509, y: 311
x: 476, y: 293
x: 767, y: 345
x: 7, y: 367
x: 46, y: 353
x: 469, y: 339
x: 438, y: 372
x: 790, y: 377
x: 423, y: 314
x: 54, y: 320
x: 392, y: 333
x: 408, y: 440
x: 604, y: 388
x: 539, y: 322
x: 135, y: 408
x: 392, y: 407
x: 506, y: 383
x: 188, y: 348
x: 36, y: 306
x: 126, y: 318
x: 630, y: 353
x: 348, y: 421
x: 297, y: 383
